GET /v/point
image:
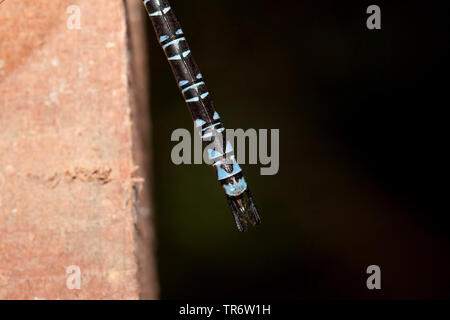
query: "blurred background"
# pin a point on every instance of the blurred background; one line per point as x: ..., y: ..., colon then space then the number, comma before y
x: 361, y: 177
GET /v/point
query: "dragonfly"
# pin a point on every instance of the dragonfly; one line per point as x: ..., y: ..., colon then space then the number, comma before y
x: 206, y: 119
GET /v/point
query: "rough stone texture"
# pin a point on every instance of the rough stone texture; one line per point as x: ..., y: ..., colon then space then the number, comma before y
x: 67, y: 176
x: 139, y: 97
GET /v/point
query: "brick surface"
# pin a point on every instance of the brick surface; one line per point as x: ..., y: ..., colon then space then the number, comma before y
x: 66, y: 160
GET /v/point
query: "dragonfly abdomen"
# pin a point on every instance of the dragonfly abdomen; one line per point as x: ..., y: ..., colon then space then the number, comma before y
x: 206, y: 120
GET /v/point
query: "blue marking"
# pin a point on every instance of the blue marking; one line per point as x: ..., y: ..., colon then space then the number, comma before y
x: 179, y: 31
x: 195, y: 85
x: 203, y: 96
x: 235, y: 188
x: 213, y: 154
x: 156, y: 13
x: 229, y: 148
x: 207, y: 135
x: 176, y: 57
x: 211, y: 126
x: 208, y: 127
x: 199, y: 76
x: 186, y: 53
x: 163, y: 38
x: 216, y: 116
x: 199, y: 122
x: 165, y: 10
x: 223, y: 174
x: 221, y: 130
x: 173, y: 42
x: 183, y: 82
x: 193, y: 99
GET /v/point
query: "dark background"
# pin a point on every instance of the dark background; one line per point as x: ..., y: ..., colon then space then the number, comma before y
x: 361, y: 180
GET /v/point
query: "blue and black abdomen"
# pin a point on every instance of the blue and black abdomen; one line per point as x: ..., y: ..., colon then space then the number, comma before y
x: 206, y: 119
